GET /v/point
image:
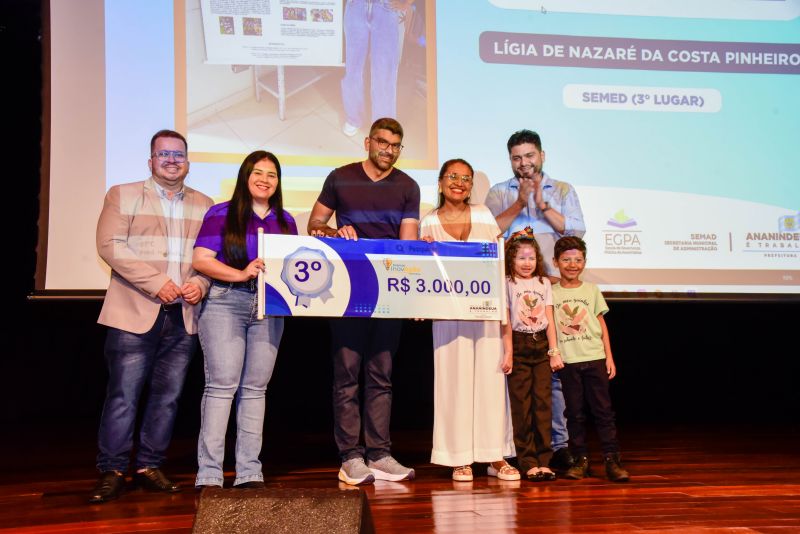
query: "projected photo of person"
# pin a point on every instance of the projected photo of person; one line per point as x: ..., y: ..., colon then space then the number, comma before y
x: 373, y: 30
x: 294, y: 13
x: 330, y: 70
x: 226, y: 26
x: 252, y: 26
x: 322, y: 15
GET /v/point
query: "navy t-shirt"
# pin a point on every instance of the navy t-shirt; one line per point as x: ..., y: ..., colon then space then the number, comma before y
x: 373, y: 209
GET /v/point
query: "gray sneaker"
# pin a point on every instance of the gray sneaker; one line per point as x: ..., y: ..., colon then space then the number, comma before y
x: 387, y: 468
x: 354, y: 472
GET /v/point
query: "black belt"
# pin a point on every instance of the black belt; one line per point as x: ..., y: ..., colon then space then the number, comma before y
x: 170, y: 306
x: 250, y: 285
x: 539, y: 334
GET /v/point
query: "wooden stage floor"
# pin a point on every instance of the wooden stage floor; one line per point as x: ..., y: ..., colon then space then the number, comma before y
x: 683, y: 480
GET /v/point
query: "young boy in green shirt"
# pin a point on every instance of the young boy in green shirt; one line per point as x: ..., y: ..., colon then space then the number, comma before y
x: 588, y: 364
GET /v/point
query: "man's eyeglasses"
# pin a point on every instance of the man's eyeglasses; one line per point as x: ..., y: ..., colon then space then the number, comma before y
x: 383, y: 144
x: 177, y: 155
x: 463, y: 178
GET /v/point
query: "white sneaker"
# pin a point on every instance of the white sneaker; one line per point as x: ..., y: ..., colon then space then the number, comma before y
x: 354, y: 472
x: 349, y: 130
x: 387, y: 468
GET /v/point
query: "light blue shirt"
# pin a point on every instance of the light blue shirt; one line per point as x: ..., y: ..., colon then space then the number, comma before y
x: 560, y: 195
x: 172, y: 208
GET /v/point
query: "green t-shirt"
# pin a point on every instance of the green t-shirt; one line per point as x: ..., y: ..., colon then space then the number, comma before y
x: 576, y: 311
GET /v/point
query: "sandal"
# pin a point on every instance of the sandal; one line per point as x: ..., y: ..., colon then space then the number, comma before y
x: 462, y: 473
x: 506, y: 471
x: 541, y: 474
x: 533, y: 473
x: 547, y: 474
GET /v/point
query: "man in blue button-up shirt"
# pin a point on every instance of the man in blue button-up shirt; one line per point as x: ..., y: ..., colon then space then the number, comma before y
x: 532, y: 198
x: 551, y: 208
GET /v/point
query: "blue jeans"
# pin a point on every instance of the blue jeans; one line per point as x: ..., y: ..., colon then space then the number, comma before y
x: 559, y: 437
x: 369, y: 344
x: 158, y: 358
x: 373, y: 30
x: 240, y: 353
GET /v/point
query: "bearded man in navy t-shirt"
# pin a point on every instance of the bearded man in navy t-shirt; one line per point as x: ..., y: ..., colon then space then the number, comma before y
x: 374, y: 200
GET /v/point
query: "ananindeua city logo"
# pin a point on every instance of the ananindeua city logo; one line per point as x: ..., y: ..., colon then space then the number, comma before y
x: 789, y: 223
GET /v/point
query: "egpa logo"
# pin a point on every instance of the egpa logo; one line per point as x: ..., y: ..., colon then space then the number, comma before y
x: 620, y: 220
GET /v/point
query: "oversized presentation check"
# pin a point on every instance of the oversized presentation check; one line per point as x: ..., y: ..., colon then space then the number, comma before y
x: 386, y: 278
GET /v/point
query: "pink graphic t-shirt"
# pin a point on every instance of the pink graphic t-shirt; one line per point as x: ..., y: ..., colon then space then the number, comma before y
x: 527, y: 299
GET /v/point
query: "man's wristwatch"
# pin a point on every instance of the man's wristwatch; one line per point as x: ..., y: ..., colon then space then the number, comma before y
x: 544, y: 206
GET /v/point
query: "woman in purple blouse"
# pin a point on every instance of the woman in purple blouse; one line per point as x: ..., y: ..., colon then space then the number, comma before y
x: 239, y: 349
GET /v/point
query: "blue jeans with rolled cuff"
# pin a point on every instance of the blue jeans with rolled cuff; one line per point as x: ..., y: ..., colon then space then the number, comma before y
x: 240, y: 353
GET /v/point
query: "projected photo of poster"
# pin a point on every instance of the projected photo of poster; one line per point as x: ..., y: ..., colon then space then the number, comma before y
x: 285, y: 77
x: 265, y: 33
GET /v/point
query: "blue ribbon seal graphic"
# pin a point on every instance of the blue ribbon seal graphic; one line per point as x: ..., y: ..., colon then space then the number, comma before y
x: 308, y: 274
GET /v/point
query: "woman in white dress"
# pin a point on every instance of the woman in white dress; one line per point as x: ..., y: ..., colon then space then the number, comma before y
x: 471, y: 421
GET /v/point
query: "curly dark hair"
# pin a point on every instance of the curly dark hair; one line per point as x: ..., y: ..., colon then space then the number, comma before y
x: 512, y: 247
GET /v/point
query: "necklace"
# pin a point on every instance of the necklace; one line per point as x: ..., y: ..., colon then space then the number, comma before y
x: 459, y: 214
x: 462, y: 226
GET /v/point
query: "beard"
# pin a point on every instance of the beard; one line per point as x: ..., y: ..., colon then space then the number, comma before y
x: 170, y: 173
x: 378, y: 160
x: 532, y: 171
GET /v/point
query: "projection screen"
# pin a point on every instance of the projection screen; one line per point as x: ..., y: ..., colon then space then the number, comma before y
x: 676, y: 121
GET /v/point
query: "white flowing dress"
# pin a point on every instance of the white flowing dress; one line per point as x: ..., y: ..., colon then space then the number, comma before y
x: 471, y: 421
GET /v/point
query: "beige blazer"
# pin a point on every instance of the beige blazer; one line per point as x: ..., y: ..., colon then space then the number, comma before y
x: 132, y: 239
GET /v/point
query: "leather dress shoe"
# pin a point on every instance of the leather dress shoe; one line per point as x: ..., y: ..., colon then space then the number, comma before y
x: 108, y: 487
x: 153, y: 479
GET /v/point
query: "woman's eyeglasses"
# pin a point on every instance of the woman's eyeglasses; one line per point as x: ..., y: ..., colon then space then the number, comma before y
x: 463, y: 178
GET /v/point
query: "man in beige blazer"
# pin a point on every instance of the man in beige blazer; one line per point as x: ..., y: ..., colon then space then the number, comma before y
x: 146, y: 234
